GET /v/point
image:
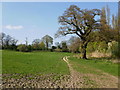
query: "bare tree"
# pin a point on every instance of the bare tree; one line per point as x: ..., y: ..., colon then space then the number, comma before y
x: 108, y: 14
x: 48, y: 40
x: 36, y: 41
x: 74, y: 44
x: 13, y: 42
x: 7, y: 40
x: 26, y: 41
x: 2, y: 36
x: 79, y: 22
x: 36, y: 44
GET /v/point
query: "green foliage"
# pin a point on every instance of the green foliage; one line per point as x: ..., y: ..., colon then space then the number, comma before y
x: 58, y: 50
x: 97, y: 46
x: 90, y: 47
x: 36, y: 47
x: 35, y: 44
x: 29, y: 48
x: 103, y: 46
x: 22, y: 48
x: 54, y: 47
x: 115, y: 49
x: 64, y: 47
x: 42, y: 46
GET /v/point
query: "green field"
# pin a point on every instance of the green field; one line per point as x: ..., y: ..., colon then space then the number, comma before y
x: 48, y: 69
x: 51, y: 62
x: 94, y: 66
x: 33, y: 62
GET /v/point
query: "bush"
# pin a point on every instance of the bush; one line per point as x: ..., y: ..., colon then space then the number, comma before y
x: 115, y: 49
x: 58, y: 50
x: 42, y: 46
x: 36, y: 47
x: 103, y: 46
x: 90, y: 47
x: 39, y: 46
x: 24, y: 48
x: 29, y: 48
x: 64, y: 47
x: 53, y: 48
x: 97, y: 46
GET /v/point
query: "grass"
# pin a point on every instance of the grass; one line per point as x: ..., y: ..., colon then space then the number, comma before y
x: 33, y: 62
x: 94, y: 66
x: 51, y: 62
x: 89, y: 82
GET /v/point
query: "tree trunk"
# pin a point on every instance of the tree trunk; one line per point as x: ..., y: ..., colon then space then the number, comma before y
x: 47, y: 45
x: 83, y: 49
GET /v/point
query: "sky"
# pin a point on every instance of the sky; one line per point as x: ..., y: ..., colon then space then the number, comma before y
x: 37, y: 19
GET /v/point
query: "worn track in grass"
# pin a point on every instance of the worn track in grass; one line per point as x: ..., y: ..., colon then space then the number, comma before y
x: 78, y: 79
x: 74, y: 80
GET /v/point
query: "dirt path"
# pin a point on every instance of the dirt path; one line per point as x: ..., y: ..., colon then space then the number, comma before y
x: 74, y: 75
x: 79, y: 80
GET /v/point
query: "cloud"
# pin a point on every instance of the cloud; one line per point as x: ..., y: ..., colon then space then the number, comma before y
x: 11, y: 27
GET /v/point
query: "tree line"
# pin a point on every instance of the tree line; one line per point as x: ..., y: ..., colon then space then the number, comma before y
x: 94, y: 30
x: 8, y: 42
x: 44, y: 44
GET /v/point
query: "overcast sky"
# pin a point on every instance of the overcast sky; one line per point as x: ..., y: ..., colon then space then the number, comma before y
x: 37, y: 19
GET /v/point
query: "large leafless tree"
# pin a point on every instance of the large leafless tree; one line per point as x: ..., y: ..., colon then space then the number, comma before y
x: 79, y: 22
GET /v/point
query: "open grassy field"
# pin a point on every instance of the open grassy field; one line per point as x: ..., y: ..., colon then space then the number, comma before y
x: 94, y: 66
x: 33, y: 62
x: 56, y: 70
x: 51, y: 62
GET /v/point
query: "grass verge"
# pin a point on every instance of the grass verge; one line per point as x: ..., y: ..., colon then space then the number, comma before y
x: 93, y: 66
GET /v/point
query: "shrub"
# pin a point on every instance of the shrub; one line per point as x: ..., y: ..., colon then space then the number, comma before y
x: 97, y: 46
x: 58, y: 50
x: 64, y: 47
x: 103, y: 46
x: 42, y: 46
x: 29, y: 48
x: 53, y: 48
x: 115, y: 49
x: 90, y: 47
x: 36, y: 47
x: 24, y: 48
